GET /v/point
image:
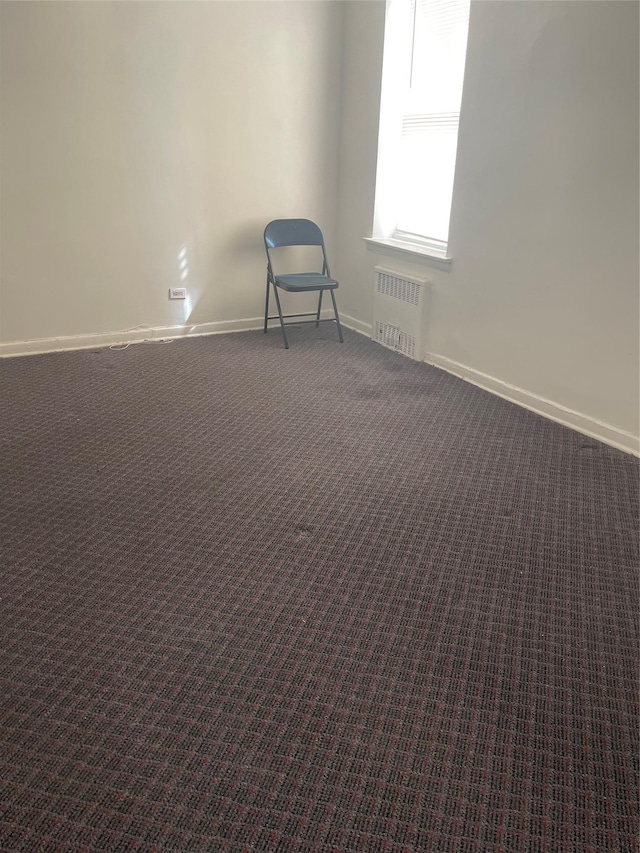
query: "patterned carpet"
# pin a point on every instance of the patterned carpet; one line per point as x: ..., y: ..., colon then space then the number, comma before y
x: 327, y: 599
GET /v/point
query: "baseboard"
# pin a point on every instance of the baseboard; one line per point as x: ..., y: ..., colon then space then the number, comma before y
x: 356, y: 325
x: 39, y: 346
x: 128, y: 336
x: 547, y: 408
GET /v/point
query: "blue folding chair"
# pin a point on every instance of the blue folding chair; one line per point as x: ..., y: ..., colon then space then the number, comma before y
x: 298, y: 232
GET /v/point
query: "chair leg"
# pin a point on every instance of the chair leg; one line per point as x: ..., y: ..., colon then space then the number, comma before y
x: 319, y: 308
x: 266, y: 308
x: 284, y: 334
x: 335, y: 308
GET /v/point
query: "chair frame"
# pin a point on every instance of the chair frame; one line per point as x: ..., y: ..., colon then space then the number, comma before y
x: 308, y: 228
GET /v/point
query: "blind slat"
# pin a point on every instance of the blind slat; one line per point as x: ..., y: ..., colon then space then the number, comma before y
x: 429, y: 121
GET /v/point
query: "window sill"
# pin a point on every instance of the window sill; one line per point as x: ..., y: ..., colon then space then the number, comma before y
x: 414, y: 254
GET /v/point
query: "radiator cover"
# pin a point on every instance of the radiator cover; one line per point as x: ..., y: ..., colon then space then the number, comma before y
x: 398, y: 312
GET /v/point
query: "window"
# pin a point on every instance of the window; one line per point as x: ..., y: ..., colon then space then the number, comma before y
x: 423, y: 70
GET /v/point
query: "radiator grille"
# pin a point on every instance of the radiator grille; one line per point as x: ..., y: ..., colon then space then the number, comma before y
x: 394, y: 338
x: 398, y: 312
x: 398, y: 288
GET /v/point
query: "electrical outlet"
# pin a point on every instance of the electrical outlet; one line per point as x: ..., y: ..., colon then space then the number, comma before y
x: 177, y: 293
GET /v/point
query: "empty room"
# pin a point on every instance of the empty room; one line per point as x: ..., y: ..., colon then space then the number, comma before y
x: 319, y: 426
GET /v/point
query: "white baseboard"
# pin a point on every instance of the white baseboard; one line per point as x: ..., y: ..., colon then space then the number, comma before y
x: 128, y: 336
x: 547, y: 408
x: 150, y: 333
x: 356, y: 325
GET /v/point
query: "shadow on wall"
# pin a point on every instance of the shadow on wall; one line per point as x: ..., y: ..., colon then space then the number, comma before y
x: 233, y: 275
x: 248, y: 242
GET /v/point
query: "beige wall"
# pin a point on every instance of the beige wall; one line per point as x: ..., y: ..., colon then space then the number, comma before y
x: 132, y: 129
x: 543, y: 290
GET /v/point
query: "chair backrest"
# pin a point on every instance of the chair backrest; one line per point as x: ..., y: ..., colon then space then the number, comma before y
x: 292, y: 232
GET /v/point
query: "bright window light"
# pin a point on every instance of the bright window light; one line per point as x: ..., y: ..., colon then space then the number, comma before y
x: 423, y: 71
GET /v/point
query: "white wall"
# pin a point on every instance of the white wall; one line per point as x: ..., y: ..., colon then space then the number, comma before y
x: 542, y: 299
x: 132, y: 129
x: 362, y: 75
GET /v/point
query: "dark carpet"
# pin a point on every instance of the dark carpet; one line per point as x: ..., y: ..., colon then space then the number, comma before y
x: 327, y: 599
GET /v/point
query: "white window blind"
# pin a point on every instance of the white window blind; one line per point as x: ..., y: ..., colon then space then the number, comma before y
x: 427, y: 112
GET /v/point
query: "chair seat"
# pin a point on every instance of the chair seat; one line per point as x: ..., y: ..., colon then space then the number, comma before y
x: 305, y: 281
